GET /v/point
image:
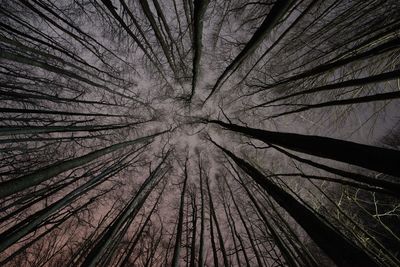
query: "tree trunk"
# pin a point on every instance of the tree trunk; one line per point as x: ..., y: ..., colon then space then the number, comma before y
x: 339, y: 249
x: 370, y: 157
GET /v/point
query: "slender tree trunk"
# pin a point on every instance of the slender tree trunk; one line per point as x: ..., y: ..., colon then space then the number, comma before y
x: 31, y: 223
x: 219, y: 233
x: 138, y: 235
x: 213, y: 245
x: 386, y: 47
x: 339, y: 249
x: 356, y: 100
x: 146, y: 9
x: 281, y: 244
x: 305, y: 12
x: 178, y: 240
x: 200, y: 7
x: 255, y: 250
x: 129, y: 212
x: 370, y: 157
x: 202, y: 216
x: 23, y: 182
x: 387, y: 76
x: 62, y: 129
x: 371, y: 184
x: 276, y: 13
x: 194, y: 226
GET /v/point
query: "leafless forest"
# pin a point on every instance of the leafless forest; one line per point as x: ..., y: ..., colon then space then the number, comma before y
x: 200, y: 133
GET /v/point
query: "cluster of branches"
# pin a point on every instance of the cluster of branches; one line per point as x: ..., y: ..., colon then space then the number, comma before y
x: 90, y: 175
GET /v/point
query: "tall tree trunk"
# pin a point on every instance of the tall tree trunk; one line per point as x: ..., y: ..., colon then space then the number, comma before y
x: 342, y: 251
x: 276, y: 13
x: 387, y: 76
x: 147, y: 11
x: 178, y: 240
x: 33, y: 222
x: 255, y: 250
x: 194, y: 226
x: 219, y: 232
x: 138, y: 235
x: 23, y: 182
x: 202, y: 216
x: 356, y: 100
x: 371, y: 184
x: 370, y: 157
x: 126, y: 215
x: 213, y: 245
x: 388, y: 46
x: 200, y: 7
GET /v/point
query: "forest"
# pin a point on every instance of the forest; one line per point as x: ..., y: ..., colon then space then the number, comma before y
x: 200, y: 133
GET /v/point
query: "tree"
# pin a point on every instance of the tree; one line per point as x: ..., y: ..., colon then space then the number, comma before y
x: 199, y: 133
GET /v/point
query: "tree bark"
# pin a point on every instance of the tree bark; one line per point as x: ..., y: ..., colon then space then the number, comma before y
x: 370, y: 157
x: 339, y: 249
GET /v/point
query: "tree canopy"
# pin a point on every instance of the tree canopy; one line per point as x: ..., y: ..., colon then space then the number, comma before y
x: 199, y: 133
